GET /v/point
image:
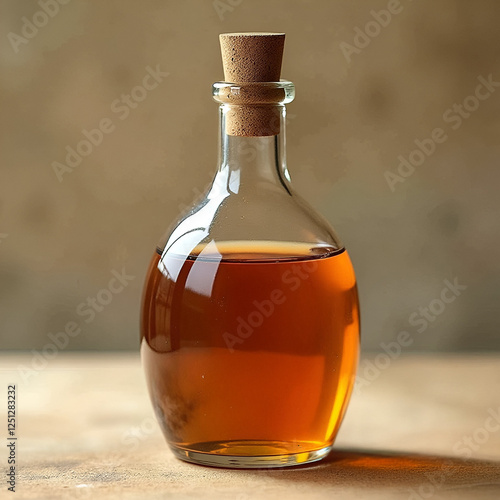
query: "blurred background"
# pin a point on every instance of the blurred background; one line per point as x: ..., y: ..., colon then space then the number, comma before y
x: 373, y: 78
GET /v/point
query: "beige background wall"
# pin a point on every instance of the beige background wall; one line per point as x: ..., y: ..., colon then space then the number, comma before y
x: 61, y: 241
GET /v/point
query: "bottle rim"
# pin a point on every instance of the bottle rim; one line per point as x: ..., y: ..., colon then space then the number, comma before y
x: 253, y: 93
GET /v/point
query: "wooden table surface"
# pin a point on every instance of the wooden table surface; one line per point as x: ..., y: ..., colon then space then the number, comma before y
x: 418, y: 427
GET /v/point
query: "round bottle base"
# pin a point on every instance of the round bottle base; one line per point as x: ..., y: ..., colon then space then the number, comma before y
x: 249, y: 455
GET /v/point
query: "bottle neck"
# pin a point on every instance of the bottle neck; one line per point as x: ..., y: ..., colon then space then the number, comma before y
x: 245, y: 161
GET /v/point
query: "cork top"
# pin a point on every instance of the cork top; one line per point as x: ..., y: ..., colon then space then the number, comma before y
x: 252, y: 57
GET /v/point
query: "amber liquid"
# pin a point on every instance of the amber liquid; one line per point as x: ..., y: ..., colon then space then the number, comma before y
x: 250, y: 350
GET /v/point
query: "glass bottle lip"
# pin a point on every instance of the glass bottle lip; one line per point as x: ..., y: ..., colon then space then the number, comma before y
x: 251, y: 93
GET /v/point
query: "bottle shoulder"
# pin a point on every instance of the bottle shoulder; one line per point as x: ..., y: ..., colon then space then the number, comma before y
x: 264, y: 218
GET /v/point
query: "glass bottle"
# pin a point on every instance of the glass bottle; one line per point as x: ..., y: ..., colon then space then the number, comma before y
x: 250, y: 322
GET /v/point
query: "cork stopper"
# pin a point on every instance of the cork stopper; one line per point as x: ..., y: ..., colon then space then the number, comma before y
x: 252, y: 58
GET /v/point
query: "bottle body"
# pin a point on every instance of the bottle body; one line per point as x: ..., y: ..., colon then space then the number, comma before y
x: 258, y: 355
x: 250, y: 320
